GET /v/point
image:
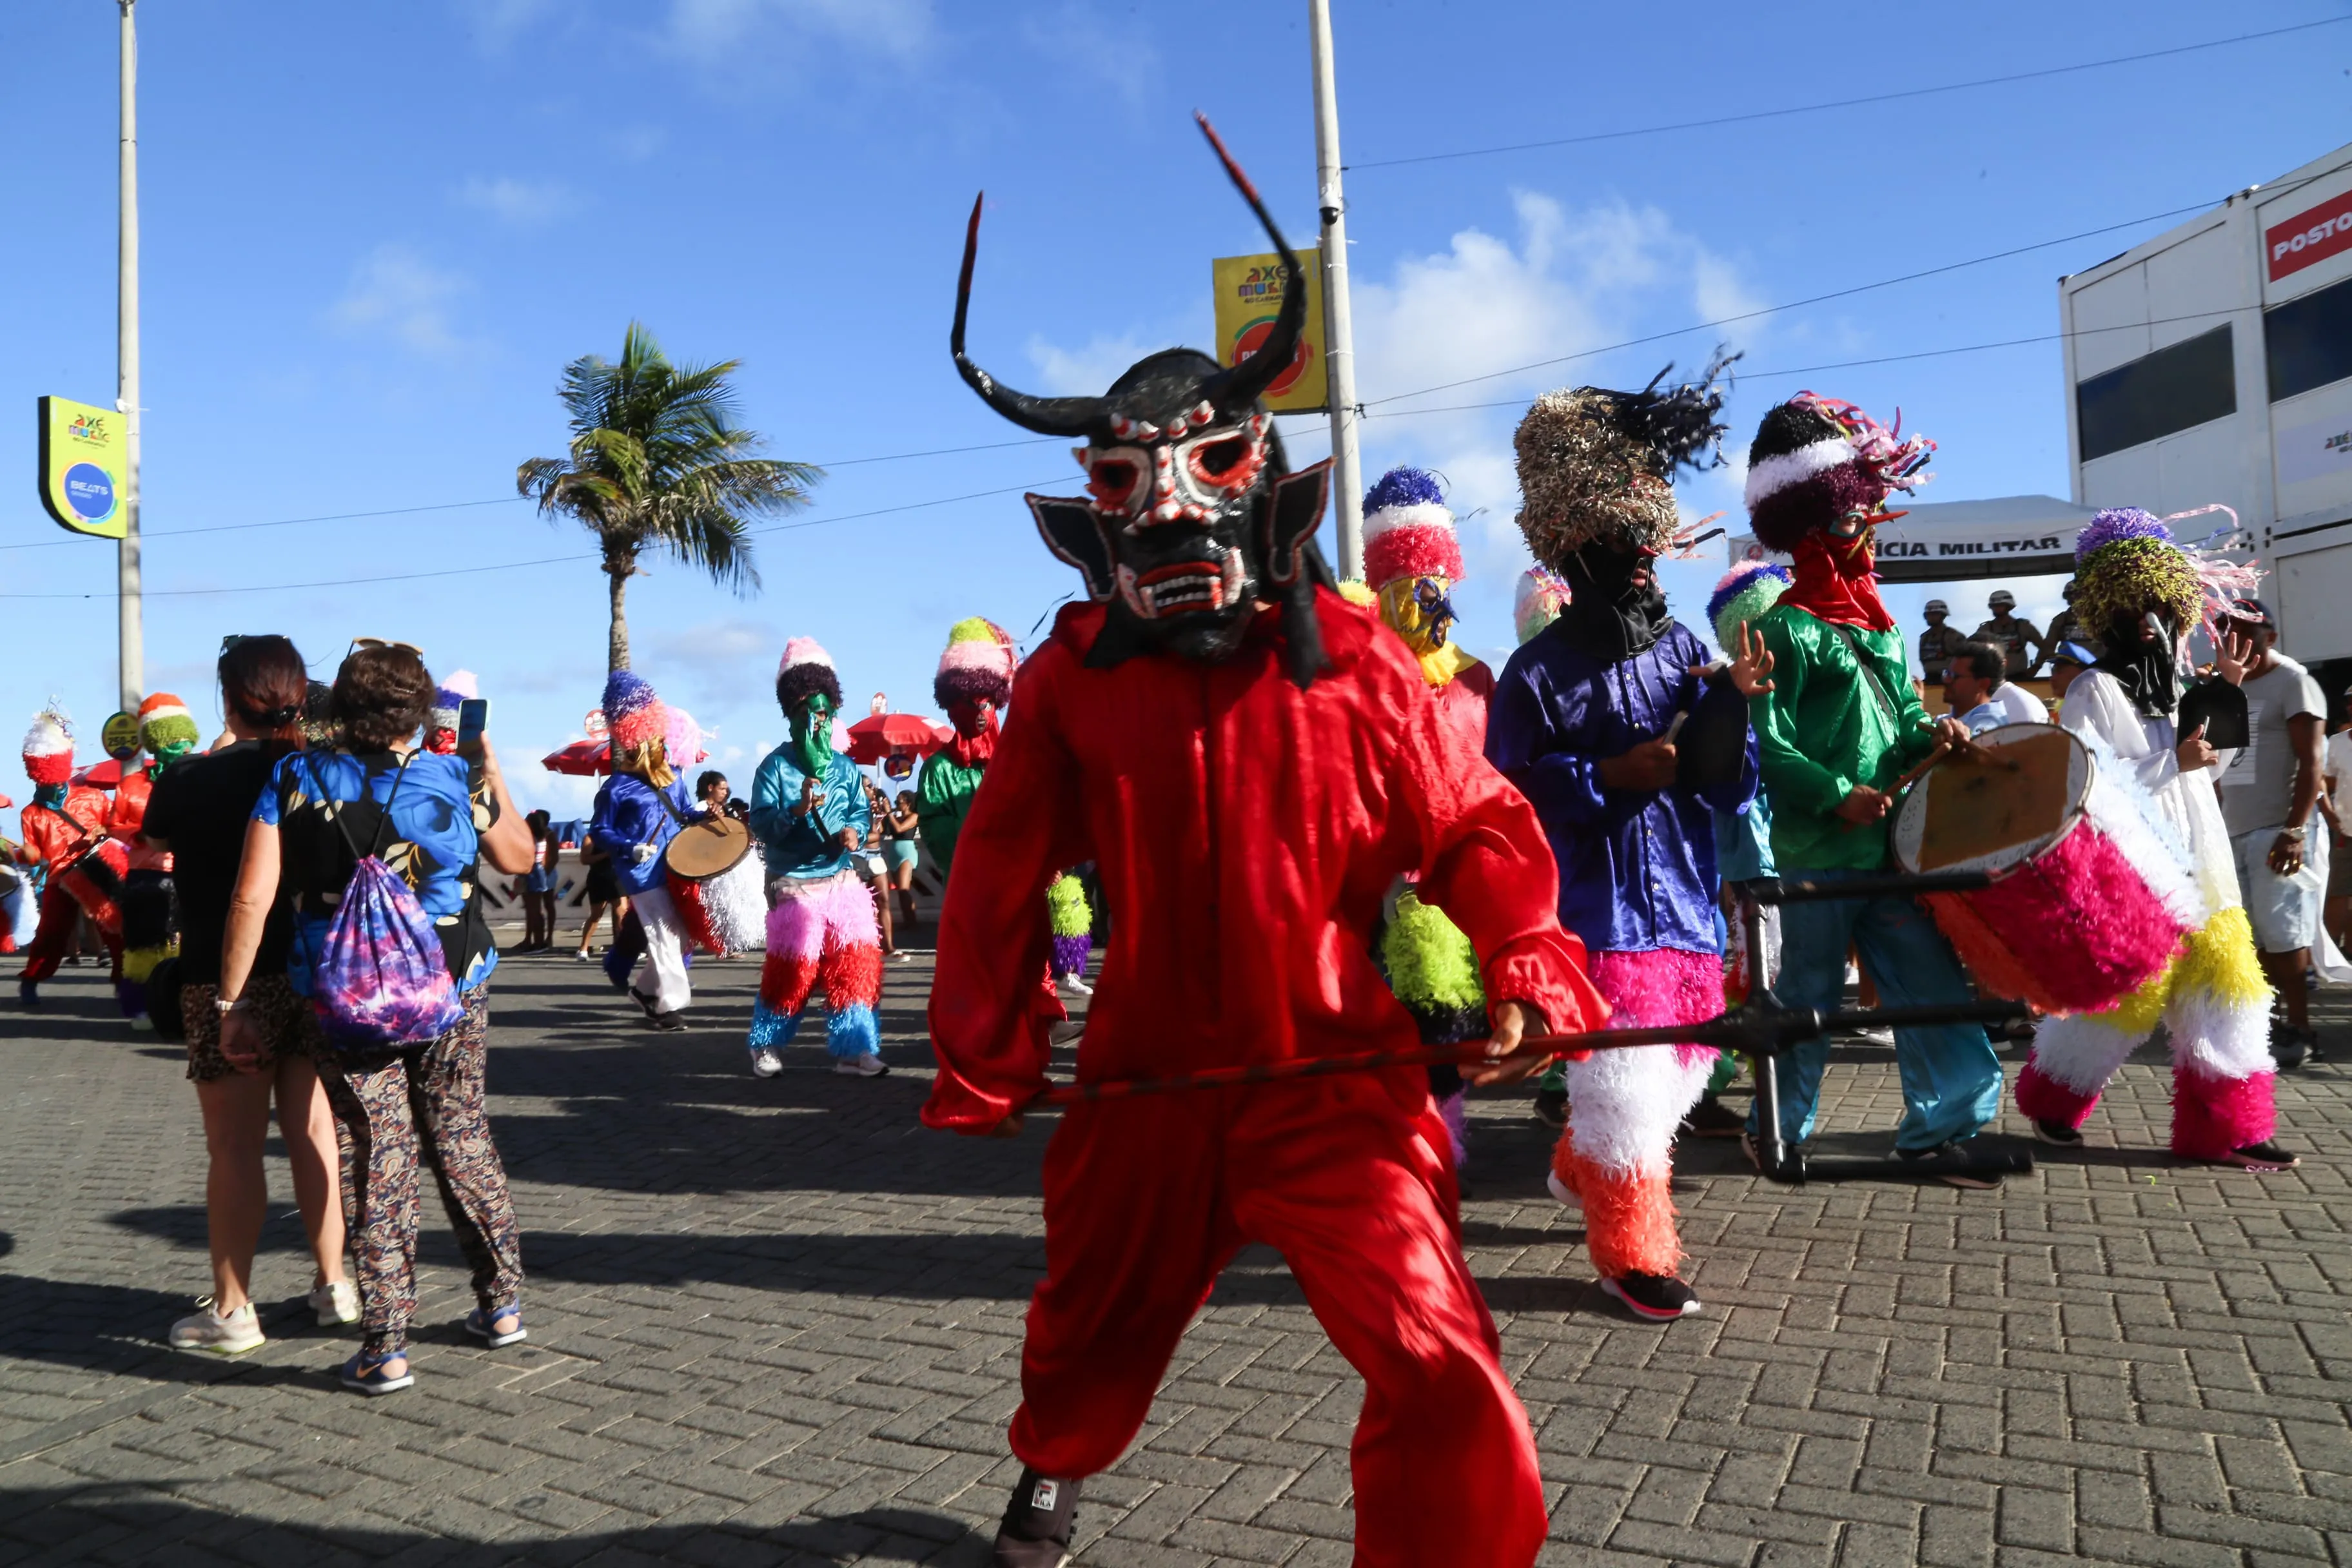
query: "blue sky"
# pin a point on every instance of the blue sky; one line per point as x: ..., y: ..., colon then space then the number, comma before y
x: 375, y: 232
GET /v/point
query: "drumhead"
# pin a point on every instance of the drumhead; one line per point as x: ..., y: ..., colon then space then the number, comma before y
x: 1964, y: 816
x: 707, y: 848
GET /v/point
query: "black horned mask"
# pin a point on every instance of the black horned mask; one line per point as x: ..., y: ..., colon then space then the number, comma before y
x: 1192, y: 519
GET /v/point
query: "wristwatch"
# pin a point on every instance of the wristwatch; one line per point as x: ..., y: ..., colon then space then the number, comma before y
x: 2294, y: 833
x: 224, y: 1006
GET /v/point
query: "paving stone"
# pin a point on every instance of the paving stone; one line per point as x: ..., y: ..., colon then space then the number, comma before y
x: 775, y: 1322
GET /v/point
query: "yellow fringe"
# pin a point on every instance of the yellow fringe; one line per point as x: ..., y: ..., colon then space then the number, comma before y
x: 2220, y: 962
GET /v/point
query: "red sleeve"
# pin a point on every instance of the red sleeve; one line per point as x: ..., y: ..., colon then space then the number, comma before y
x: 1486, y: 862
x: 988, y: 1029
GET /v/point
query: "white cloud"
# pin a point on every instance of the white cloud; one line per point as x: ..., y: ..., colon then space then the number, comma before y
x: 637, y: 143
x: 397, y: 293
x: 518, y: 202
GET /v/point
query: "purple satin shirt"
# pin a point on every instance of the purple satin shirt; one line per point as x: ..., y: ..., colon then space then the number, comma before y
x: 1637, y: 868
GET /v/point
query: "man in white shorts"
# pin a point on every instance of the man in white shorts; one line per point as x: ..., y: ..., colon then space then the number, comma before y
x: 2268, y: 794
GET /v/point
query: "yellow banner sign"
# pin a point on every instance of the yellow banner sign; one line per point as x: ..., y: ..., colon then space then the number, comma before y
x: 85, y: 470
x: 1249, y: 291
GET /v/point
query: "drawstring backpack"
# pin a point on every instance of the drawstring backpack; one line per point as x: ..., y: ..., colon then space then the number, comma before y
x: 379, y: 982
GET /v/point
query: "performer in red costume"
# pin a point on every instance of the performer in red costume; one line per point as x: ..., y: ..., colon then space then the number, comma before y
x: 65, y: 831
x: 1250, y: 761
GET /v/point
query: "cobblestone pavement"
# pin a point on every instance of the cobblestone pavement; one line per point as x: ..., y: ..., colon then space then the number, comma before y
x: 776, y: 1322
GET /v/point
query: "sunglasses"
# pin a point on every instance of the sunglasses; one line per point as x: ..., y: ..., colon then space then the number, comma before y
x: 369, y: 645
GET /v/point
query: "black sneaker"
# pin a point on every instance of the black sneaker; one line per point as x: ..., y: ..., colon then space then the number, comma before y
x: 2291, y: 1046
x: 667, y: 1023
x: 1652, y: 1297
x: 651, y: 1007
x: 1038, y: 1523
x: 1949, y: 1164
x: 2262, y: 1156
x: 1710, y: 1118
x: 1551, y: 1108
x: 2058, y: 1133
x: 28, y: 994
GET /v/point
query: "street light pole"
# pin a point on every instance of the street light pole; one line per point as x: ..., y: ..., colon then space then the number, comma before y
x: 126, y: 396
x: 1340, y: 354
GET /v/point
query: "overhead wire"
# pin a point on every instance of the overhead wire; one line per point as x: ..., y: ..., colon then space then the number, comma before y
x: 1752, y: 116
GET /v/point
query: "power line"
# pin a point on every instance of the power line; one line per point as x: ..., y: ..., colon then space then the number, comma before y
x: 1755, y: 115
x: 518, y: 566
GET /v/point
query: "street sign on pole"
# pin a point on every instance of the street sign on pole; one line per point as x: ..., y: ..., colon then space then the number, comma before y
x: 1249, y: 290
x: 1341, y: 356
x: 83, y: 470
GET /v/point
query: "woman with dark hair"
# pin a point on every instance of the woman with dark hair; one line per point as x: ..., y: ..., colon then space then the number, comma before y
x: 428, y: 817
x: 198, y: 813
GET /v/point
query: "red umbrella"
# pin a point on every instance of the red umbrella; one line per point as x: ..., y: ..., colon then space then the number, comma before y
x: 584, y: 758
x: 106, y: 775
x: 886, y: 734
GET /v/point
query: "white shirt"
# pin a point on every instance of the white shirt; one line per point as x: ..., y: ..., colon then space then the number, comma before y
x: 2097, y: 709
x: 2011, y: 704
x: 2336, y: 764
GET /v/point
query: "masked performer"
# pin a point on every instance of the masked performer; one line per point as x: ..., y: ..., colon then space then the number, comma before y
x: 149, y: 914
x: 638, y: 811
x: 2141, y: 595
x: 1251, y: 762
x: 810, y: 810
x: 1838, y: 730
x: 1071, y: 921
x: 1586, y: 723
x: 64, y: 828
x: 1411, y: 561
x: 974, y: 676
x: 448, y: 697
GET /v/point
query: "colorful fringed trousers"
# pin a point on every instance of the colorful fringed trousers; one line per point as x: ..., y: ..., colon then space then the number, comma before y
x: 2215, y: 1004
x: 1071, y: 919
x: 821, y: 932
x: 92, y: 886
x: 1617, y: 1152
x: 150, y: 927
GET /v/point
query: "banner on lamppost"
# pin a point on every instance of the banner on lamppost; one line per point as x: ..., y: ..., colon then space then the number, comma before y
x: 85, y: 468
x: 1249, y: 293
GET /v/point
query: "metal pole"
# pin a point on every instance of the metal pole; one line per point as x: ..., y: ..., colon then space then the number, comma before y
x: 126, y: 399
x: 1339, y: 354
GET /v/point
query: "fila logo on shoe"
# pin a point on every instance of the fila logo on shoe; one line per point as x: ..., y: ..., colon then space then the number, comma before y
x: 1047, y: 1493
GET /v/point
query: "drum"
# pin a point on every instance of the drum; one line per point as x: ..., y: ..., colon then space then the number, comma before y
x: 703, y: 866
x: 2087, y: 901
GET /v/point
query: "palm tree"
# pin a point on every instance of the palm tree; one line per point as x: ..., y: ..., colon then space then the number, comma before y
x: 658, y: 462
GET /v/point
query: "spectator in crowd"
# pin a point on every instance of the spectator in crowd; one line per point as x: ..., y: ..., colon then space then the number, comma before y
x: 2335, y: 800
x: 1983, y: 697
x: 537, y: 888
x: 2006, y: 632
x: 603, y: 892
x: 1938, y: 642
x: 198, y: 813
x: 876, y: 862
x: 2268, y: 793
x: 2067, y: 660
x: 434, y: 818
x: 2066, y: 626
x: 712, y: 791
x: 900, y: 848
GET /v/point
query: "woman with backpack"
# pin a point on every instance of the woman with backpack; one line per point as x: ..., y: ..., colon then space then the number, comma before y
x: 197, y: 813
x: 375, y: 844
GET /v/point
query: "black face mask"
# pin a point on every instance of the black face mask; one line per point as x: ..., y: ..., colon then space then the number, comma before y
x: 1615, y: 608
x: 2140, y: 656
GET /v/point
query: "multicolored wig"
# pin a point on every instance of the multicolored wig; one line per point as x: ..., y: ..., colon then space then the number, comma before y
x: 49, y: 746
x: 1538, y: 601
x: 977, y: 665
x: 806, y: 670
x: 2126, y: 561
x: 1409, y: 530
x: 1741, y: 596
x: 1816, y: 459
x: 166, y: 728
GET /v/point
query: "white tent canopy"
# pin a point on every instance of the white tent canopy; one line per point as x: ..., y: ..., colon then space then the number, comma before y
x: 1947, y: 542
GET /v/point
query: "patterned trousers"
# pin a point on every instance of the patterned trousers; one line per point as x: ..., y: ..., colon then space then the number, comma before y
x: 822, y: 930
x: 422, y: 1105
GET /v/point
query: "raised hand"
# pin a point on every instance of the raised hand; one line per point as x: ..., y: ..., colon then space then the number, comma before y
x: 2234, y: 650
x: 2194, y: 752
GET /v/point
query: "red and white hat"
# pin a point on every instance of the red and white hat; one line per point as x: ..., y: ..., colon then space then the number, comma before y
x: 1408, y: 531
x: 48, y: 747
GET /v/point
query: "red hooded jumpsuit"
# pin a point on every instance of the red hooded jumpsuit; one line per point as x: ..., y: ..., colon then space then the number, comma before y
x: 1245, y: 831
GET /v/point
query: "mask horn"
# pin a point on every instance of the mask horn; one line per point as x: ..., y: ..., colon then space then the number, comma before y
x: 1045, y: 415
x: 1235, y: 389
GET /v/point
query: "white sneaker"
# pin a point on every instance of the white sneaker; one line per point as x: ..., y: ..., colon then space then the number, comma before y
x: 232, y: 1335
x: 336, y: 1302
x: 1561, y: 1191
x: 868, y: 1066
x: 1076, y: 984
x: 766, y: 1063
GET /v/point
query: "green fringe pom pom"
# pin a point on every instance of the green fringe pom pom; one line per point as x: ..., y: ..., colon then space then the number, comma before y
x: 1066, y: 909
x: 1431, y: 963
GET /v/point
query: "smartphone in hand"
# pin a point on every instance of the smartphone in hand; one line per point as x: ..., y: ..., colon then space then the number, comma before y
x: 472, y: 719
